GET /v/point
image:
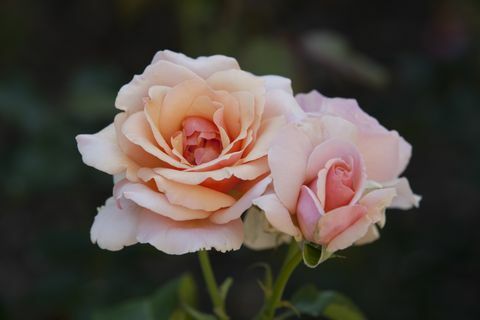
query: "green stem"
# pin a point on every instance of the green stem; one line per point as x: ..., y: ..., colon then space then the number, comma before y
x: 292, y: 259
x: 209, y: 277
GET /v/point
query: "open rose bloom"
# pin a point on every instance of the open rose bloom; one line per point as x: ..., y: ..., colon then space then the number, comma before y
x: 188, y: 153
x: 335, y: 170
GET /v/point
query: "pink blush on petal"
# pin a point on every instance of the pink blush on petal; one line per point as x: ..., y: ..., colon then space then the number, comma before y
x: 339, y: 186
x: 202, y: 142
x: 309, y: 212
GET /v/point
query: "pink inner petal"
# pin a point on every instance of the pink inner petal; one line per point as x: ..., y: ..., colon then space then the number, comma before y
x: 202, y: 141
x: 339, y: 185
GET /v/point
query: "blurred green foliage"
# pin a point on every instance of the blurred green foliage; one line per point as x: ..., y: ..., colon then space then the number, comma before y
x: 413, y: 65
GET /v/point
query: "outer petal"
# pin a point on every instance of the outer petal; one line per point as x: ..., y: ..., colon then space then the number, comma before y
x: 277, y: 82
x: 377, y: 201
x: 267, y: 133
x: 193, y: 197
x: 202, y: 66
x: 278, y: 102
x: 381, y: 154
x: 137, y: 130
x: 348, y: 237
x: 337, y: 221
x: 101, y: 151
x: 115, y: 228
x: 405, y: 198
x: 247, y: 171
x: 288, y: 159
x: 180, y: 237
x: 245, y: 202
x: 156, y: 202
x: 309, y: 211
x: 257, y: 233
x: 130, y: 97
x: 277, y: 215
x: 371, y: 235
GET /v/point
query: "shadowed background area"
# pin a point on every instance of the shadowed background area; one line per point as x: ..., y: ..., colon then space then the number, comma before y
x: 414, y: 65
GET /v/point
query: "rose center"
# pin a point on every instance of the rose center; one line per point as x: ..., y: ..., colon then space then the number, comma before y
x: 339, y: 186
x: 201, y: 140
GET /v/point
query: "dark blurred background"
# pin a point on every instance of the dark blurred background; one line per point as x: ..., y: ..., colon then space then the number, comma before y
x: 415, y: 65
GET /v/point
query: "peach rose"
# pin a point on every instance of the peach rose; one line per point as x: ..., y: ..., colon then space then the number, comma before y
x: 188, y: 153
x: 324, y: 168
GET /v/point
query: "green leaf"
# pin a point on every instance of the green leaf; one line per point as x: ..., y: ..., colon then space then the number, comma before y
x: 197, y: 315
x: 330, y: 304
x: 188, y: 291
x: 164, y: 303
x: 224, y: 287
x: 267, y: 284
x: 313, y: 255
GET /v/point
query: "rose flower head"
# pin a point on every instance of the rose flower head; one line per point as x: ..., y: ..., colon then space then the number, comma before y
x: 334, y: 172
x: 188, y: 153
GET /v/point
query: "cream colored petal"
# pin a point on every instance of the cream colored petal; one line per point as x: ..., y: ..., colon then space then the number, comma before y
x: 371, y: 236
x: 273, y: 82
x: 247, y: 171
x: 137, y: 130
x: 115, y: 228
x: 279, y: 102
x: 194, y: 197
x: 101, y: 151
x: 258, y: 235
x: 277, y: 215
x: 164, y: 73
x: 177, y: 103
x: 242, y: 204
x: 152, y: 114
x: 267, y: 133
x: 381, y: 154
x: 133, y: 151
x: 405, y: 198
x: 377, y: 201
x: 355, y: 232
x: 157, y: 202
x: 236, y: 80
x: 180, y: 237
x: 203, y: 66
x: 287, y: 159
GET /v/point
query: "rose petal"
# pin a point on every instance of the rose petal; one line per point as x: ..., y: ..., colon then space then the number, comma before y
x: 242, y: 204
x: 309, y: 211
x: 236, y: 80
x: 405, y: 198
x: 371, y: 235
x: 273, y: 82
x: 202, y: 66
x: 381, y: 154
x: 337, y: 221
x: 350, y: 235
x: 101, y: 151
x: 130, y: 97
x: 288, y: 159
x: 277, y: 215
x: 194, y: 197
x: 137, y: 130
x: 266, y: 134
x: 279, y: 102
x: 177, y: 103
x: 115, y: 228
x: 246, y: 171
x: 377, y: 201
x: 157, y: 202
x: 180, y: 237
x: 257, y: 233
